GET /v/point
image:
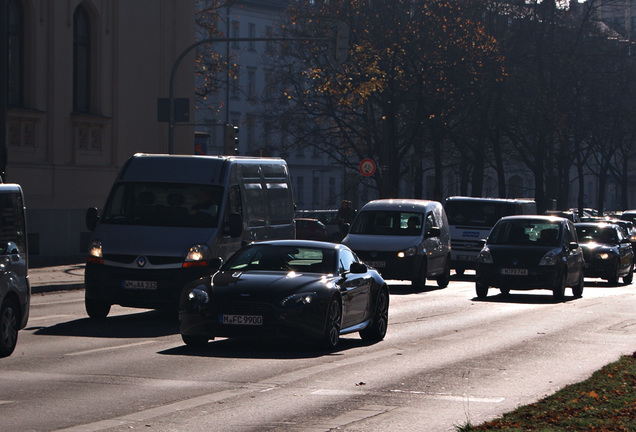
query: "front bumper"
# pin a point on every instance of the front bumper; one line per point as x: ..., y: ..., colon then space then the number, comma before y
x: 538, y: 277
x: 107, y: 284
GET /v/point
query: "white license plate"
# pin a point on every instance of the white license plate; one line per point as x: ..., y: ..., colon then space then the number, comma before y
x: 377, y: 264
x: 140, y: 285
x: 241, y: 319
x: 514, y: 272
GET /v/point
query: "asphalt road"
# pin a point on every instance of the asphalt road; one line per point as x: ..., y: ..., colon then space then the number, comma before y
x: 447, y: 359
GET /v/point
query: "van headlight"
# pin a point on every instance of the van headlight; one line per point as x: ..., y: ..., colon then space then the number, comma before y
x: 407, y: 252
x: 198, y: 256
x: 95, y: 253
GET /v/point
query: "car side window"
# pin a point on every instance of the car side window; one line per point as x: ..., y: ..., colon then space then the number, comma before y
x: 346, y: 259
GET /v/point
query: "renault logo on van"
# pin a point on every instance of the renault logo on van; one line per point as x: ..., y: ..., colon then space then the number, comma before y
x: 141, y: 261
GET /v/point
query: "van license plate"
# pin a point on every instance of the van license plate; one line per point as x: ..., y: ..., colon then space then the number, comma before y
x: 140, y: 285
x: 241, y: 319
x: 514, y: 272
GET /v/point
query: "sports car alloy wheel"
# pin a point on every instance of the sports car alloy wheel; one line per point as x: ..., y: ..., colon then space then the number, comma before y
x: 8, y: 327
x: 331, y: 336
x: 377, y: 328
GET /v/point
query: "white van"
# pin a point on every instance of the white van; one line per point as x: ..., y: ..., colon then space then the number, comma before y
x: 471, y: 220
x: 403, y: 239
x: 168, y: 219
x: 15, y: 290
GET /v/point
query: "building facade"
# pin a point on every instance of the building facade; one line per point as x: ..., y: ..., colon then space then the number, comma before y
x: 83, y: 79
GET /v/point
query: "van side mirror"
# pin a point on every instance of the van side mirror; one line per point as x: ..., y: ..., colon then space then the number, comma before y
x: 434, y: 232
x: 92, y: 218
x: 236, y: 225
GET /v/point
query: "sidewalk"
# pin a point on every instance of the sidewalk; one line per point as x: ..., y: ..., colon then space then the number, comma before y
x: 56, y: 274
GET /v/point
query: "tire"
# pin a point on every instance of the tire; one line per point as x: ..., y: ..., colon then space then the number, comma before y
x: 558, y: 292
x: 420, y: 281
x: 630, y: 276
x: 444, y: 279
x: 376, y: 330
x: 195, y: 340
x: 333, y: 321
x: 482, y: 290
x: 459, y: 271
x: 577, y: 290
x: 613, y: 280
x: 96, y: 309
x: 504, y: 291
x: 9, y: 313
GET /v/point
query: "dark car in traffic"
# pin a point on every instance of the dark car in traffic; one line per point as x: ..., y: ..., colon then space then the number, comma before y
x: 310, y: 290
x: 531, y: 252
x: 607, y: 250
x: 311, y: 229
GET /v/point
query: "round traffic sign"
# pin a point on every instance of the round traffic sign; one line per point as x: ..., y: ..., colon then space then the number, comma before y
x: 367, y: 167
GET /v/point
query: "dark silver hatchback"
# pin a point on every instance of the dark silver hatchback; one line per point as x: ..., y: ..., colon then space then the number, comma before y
x: 531, y: 252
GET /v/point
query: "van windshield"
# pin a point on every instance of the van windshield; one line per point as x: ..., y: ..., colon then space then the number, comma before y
x: 478, y: 213
x: 163, y: 204
x: 393, y: 223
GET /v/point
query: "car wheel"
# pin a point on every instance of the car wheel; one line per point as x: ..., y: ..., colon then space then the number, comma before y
x: 378, y: 326
x: 613, y: 279
x: 8, y: 327
x: 504, y: 291
x: 630, y: 276
x: 331, y: 335
x: 577, y: 290
x: 459, y: 271
x: 444, y: 279
x: 195, y: 340
x: 96, y: 309
x: 420, y: 281
x: 482, y: 290
x: 558, y: 292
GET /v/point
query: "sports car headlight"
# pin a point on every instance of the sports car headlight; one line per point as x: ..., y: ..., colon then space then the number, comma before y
x: 603, y: 255
x: 199, y: 295
x: 549, y: 259
x: 407, y: 252
x: 302, y: 298
x: 484, y: 256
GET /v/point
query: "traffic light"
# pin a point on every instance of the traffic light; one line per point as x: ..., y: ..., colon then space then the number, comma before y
x: 230, y: 139
x: 338, y: 44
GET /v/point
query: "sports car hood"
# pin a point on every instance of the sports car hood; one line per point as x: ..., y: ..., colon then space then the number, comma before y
x: 363, y: 242
x: 266, y: 283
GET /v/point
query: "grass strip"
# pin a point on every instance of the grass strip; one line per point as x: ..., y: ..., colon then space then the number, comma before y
x: 606, y: 402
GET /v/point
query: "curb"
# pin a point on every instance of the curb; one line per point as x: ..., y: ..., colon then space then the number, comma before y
x: 40, y: 289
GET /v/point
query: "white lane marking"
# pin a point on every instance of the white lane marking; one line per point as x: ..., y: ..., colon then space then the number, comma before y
x: 91, y: 351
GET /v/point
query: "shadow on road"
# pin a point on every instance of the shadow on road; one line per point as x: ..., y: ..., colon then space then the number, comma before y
x: 275, y: 348
x: 139, y: 325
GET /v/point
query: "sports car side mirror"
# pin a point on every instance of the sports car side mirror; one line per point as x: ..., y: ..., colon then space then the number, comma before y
x: 358, y: 268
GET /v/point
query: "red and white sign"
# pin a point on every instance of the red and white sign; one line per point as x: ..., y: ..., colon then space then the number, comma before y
x: 367, y: 167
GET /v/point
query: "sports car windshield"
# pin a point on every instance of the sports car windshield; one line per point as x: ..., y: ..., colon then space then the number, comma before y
x: 526, y: 232
x: 283, y: 258
x: 164, y: 204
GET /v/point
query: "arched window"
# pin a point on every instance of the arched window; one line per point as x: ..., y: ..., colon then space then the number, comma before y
x: 81, y: 60
x: 15, y: 54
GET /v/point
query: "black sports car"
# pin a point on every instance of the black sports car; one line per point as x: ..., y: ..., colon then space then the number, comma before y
x: 608, y: 251
x: 300, y: 288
